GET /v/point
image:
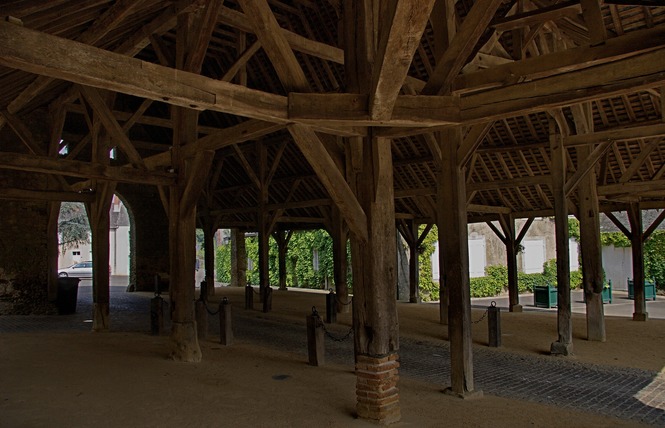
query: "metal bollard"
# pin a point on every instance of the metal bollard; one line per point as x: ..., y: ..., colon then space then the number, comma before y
x: 267, y: 300
x: 201, y: 319
x: 249, y: 297
x: 225, y: 326
x: 331, y: 307
x: 156, y: 315
x: 315, y: 339
x: 494, y: 325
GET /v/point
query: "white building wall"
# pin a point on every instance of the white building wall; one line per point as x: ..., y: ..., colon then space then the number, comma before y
x: 119, y: 250
x: 618, y: 266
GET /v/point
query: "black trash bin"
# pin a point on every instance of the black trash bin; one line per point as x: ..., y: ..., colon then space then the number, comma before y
x: 68, y: 289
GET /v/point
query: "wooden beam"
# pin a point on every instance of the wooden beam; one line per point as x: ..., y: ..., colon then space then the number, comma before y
x: 602, y: 81
x: 41, y: 53
x: 299, y: 43
x: 206, y: 20
x: 587, y: 165
x: 22, y: 131
x: 508, y: 183
x: 403, y: 24
x: 44, y: 195
x: 117, y: 133
x: 631, y: 188
x: 275, y: 45
x: 620, y: 134
x: 241, y: 61
x: 538, y: 16
x: 71, y: 168
x: 96, y: 32
x: 246, y: 131
x: 199, y: 167
x: 635, y: 165
x: 462, y: 45
x: 490, y: 209
x: 352, y: 109
x: 331, y: 178
x: 593, y: 17
x: 472, y: 141
x: 558, y: 62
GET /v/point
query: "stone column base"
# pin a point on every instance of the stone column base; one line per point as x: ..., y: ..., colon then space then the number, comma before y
x: 376, y: 388
x: 560, y: 348
x: 515, y: 308
x: 640, y: 316
x: 467, y: 395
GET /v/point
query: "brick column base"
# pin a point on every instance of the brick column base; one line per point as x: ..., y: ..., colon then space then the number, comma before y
x: 376, y: 388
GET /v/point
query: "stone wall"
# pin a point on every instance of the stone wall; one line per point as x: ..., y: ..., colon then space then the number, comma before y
x: 149, y: 235
x: 23, y: 251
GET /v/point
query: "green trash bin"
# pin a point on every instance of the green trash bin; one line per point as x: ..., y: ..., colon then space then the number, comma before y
x: 68, y: 289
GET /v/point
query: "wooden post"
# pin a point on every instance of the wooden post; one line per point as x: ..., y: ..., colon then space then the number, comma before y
x: 315, y: 341
x: 592, y: 260
x: 452, y: 225
x: 508, y: 226
x: 98, y: 215
x: 282, y: 240
x: 264, y: 224
x: 564, y: 343
x: 339, y: 235
x: 376, y: 332
x: 637, y: 247
x: 414, y: 274
x: 238, y: 259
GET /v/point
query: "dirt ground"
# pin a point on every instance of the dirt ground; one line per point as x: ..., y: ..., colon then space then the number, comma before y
x: 125, y: 379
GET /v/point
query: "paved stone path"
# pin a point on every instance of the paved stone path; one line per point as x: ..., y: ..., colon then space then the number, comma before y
x: 626, y: 393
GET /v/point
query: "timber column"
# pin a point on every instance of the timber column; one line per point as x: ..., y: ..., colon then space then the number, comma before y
x: 592, y: 261
x: 98, y: 214
x: 339, y: 235
x: 376, y: 330
x: 454, y: 256
x: 637, y: 247
x: 238, y: 259
x: 564, y: 343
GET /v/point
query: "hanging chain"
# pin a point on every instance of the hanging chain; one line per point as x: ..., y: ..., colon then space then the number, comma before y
x: 319, y: 323
x: 493, y: 304
x: 339, y: 302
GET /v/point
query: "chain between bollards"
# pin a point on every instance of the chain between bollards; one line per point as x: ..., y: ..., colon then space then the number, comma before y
x: 493, y: 304
x: 319, y: 323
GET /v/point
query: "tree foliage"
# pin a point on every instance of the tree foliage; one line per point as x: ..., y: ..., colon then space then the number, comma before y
x: 73, y: 225
x: 300, y: 269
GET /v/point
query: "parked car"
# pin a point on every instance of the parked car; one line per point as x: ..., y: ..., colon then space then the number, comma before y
x: 78, y: 270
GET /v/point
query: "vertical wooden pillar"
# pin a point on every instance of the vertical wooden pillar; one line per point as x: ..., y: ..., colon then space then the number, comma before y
x: 376, y: 331
x: 452, y: 225
x: 414, y: 266
x: 238, y: 259
x: 98, y: 215
x: 339, y: 235
x: 564, y: 343
x: 508, y: 226
x: 182, y: 246
x: 637, y: 247
x: 264, y: 223
x: 592, y: 260
x: 282, y: 238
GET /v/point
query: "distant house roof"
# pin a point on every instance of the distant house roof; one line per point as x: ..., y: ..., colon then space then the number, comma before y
x: 648, y: 217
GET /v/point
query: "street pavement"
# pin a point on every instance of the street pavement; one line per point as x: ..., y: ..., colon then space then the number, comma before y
x: 632, y: 394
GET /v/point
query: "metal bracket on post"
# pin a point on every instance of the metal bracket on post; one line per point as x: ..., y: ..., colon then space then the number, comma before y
x: 331, y: 307
x: 225, y: 326
x: 494, y: 325
x: 315, y: 339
